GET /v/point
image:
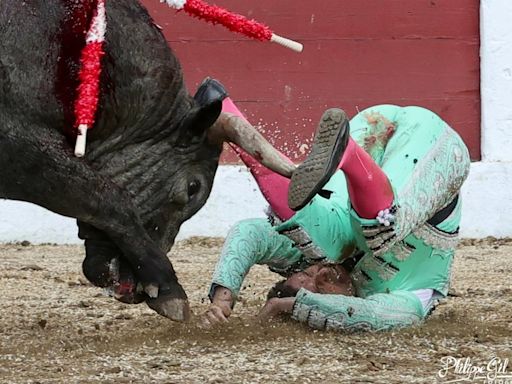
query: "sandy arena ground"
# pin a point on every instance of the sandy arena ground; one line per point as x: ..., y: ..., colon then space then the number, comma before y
x: 56, y: 328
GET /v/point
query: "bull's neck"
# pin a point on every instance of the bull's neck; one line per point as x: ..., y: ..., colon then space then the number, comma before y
x: 143, y: 97
x: 135, y: 124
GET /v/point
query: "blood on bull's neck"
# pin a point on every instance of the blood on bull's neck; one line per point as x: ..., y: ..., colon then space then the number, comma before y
x: 71, y: 38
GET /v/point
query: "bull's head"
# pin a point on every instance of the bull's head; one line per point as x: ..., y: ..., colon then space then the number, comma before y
x: 169, y: 179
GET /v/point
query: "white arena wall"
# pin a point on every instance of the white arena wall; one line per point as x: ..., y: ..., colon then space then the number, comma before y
x: 487, y: 194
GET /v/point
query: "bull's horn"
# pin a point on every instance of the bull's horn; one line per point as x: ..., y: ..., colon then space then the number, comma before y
x: 234, y: 129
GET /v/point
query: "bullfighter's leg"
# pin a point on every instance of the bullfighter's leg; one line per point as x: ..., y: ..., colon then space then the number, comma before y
x: 368, y: 186
x: 43, y: 170
x: 413, y: 164
x: 273, y: 186
x: 426, y: 162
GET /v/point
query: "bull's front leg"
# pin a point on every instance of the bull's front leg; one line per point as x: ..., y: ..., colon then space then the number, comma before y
x: 105, y: 266
x: 37, y: 165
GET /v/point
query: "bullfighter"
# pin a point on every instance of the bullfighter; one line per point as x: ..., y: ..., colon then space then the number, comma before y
x: 370, y: 239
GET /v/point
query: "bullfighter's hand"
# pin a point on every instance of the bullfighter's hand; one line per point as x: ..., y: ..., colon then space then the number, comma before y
x: 215, y: 315
x: 276, y: 306
x: 220, y: 308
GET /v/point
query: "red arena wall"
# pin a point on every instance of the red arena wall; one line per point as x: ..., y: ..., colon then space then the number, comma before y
x: 357, y: 53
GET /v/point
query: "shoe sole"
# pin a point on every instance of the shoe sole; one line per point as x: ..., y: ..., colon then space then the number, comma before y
x: 328, y: 147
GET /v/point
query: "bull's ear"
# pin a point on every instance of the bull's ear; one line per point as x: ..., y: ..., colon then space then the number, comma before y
x: 197, y: 121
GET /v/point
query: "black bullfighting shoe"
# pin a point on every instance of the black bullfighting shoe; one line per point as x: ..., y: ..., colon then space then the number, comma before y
x: 210, y: 90
x: 330, y: 141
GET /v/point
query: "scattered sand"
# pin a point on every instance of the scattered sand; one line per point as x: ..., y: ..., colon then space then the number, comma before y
x: 56, y: 328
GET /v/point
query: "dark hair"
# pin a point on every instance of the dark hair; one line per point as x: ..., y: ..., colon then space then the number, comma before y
x: 280, y: 290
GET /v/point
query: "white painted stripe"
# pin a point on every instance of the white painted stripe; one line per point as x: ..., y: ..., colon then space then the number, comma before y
x: 486, y: 208
x: 487, y: 200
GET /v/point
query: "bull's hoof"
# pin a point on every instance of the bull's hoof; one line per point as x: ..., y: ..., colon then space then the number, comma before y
x: 130, y: 298
x: 126, y: 292
x: 170, y: 307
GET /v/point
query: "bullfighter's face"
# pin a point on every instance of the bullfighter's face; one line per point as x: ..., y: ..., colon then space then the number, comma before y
x: 322, y: 278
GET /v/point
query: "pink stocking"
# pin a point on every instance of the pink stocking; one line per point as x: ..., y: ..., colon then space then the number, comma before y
x: 273, y: 186
x: 368, y: 186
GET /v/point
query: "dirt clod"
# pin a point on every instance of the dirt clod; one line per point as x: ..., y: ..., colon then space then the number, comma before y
x: 31, y: 267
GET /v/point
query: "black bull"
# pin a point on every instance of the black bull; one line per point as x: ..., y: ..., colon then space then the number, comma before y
x: 148, y: 166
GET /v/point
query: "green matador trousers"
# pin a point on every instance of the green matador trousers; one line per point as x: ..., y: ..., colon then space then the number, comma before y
x: 426, y: 163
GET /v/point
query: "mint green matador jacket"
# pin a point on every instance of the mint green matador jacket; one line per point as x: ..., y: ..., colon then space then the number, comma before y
x: 426, y: 163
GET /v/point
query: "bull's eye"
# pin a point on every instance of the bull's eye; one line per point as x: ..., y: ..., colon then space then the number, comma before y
x: 193, y: 188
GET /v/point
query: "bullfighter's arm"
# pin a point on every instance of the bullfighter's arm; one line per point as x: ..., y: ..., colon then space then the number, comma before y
x: 381, y: 311
x: 250, y: 242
